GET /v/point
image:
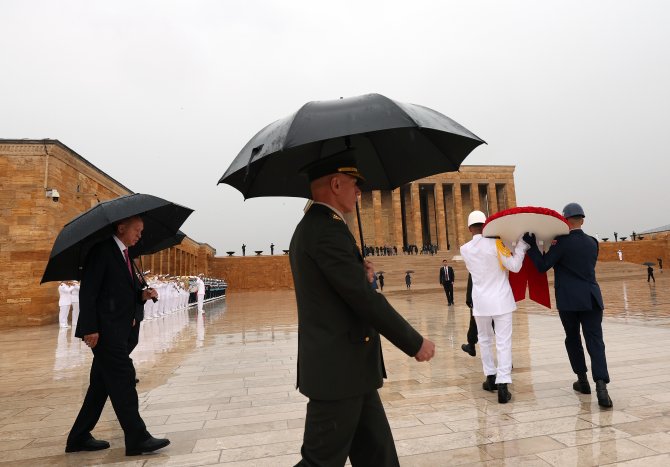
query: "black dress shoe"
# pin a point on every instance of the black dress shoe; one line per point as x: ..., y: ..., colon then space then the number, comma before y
x: 603, y: 396
x: 467, y: 348
x: 503, y: 394
x: 90, y: 444
x: 582, y: 384
x: 137, y: 380
x: 150, y: 444
x: 490, y: 383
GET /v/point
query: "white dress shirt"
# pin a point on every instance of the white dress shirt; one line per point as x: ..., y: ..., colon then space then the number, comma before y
x: 491, y: 292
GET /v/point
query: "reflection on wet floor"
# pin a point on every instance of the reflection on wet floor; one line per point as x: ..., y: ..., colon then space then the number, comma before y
x: 221, y: 386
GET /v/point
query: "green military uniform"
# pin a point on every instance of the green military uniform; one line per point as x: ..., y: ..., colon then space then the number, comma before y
x: 340, y: 364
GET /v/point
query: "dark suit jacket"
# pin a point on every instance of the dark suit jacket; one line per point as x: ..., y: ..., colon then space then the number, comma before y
x: 340, y: 317
x: 573, y: 258
x: 109, y: 297
x: 451, y: 274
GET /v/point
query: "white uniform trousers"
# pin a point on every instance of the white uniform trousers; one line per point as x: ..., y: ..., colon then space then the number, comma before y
x: 201, y: 300
x: 62, y: 316
x: 75, y: 314
x: 503, y: 344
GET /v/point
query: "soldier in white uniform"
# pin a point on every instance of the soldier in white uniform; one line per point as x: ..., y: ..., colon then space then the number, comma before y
x: 75, y: 303
x: 489, y: 263
x: 64, y: 302
x: 200, y: 293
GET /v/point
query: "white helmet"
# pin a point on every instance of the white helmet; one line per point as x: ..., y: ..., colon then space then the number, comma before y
x: 476, y: 217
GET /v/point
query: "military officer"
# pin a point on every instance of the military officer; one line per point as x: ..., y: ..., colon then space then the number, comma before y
x: 64, y: 302
x: 340, y: 320
x: 489, y: 261
x: 578, y: 299
x: 200, y: 293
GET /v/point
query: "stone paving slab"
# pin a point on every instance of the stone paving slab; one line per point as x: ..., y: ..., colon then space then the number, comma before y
x: 222, y: 388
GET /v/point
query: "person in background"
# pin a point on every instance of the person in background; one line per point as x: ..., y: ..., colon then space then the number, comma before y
x: 64, y: 303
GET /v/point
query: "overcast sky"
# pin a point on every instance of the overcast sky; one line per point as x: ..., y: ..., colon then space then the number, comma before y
x: 162, y: 95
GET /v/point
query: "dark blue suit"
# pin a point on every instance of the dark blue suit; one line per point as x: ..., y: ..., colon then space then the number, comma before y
x: 578, y: 297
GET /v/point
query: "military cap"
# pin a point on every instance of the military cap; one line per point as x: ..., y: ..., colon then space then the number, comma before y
x: 342, y: 162
x: 573, y: 210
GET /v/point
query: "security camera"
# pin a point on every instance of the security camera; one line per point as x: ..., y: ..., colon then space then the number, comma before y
x: 54, y: 195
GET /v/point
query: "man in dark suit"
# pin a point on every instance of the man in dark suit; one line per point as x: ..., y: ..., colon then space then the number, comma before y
x: 472, y: 327
x: 111, y: 304
x: 578, y: 299
x: 447, y: 281
x: 340, y: 323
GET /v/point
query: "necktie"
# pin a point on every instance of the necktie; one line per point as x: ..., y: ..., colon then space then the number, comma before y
x: 130, y: 268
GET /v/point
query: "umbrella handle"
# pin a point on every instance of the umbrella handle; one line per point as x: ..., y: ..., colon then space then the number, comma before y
x: 143, y: 281
x: 360, y: 228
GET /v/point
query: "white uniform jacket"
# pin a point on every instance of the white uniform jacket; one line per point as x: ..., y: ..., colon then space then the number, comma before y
x: 65, y: 295
x: 491, y: 292
x: 201, y: 286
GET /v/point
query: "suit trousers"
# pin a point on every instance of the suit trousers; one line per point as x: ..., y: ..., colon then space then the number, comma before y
x: 449, y: 291
x: 591, y: 324
x: 355, y: 427
x: 201, y: 300
x: 503, y: 344
x: 472, y: 330
x: 113, y: 376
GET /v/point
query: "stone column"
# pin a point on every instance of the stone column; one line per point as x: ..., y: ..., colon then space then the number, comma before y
x: 397, y: 218
x: 459, y: 215
x: 474, y: 194
x: 416, y: 215
x: 377, y: 212
x: 441, y: 218
x: 511, y: 193
x: 493, y: 198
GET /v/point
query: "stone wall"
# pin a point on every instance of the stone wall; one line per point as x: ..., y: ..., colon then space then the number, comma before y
x: 247, y: 273
x: 637, y: 252
x: 30, y: 222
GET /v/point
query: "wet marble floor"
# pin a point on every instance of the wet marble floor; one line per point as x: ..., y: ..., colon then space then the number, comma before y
x: 222, y: 388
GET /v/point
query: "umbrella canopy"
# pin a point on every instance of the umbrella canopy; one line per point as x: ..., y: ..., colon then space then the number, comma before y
x: 649, y: 263
x: 162, y: 220
x: 174, y: 240
x: 394, y: 143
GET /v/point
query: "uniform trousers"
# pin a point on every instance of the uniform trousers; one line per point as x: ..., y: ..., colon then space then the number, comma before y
x: 591, y: 324
x: 355, y: 427
x: 75, y: 314
x: 449, y: 291
x: 503, y: 345
x: 201, y: 299
x: 62, y: 316
x: 113, y: 376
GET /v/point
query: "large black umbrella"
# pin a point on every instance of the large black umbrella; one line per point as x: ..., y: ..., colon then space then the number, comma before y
x: 394, y: 143
x: 168, y: 242
x: 162, y: 220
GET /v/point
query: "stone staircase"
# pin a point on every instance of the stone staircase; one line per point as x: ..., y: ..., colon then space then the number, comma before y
x: 425, y: 277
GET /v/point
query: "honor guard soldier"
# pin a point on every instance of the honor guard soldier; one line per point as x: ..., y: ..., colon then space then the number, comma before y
x: 578, y: 299
x: 489, y: 261
x: 340, y: 320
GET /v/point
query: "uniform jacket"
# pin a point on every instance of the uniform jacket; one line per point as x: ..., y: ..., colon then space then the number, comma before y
x: 65, y: 294
x: 491, y: 292
x: 340, y: 317
x: 109, y: 297
x: 451, y: 274
x: 573, y: 258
